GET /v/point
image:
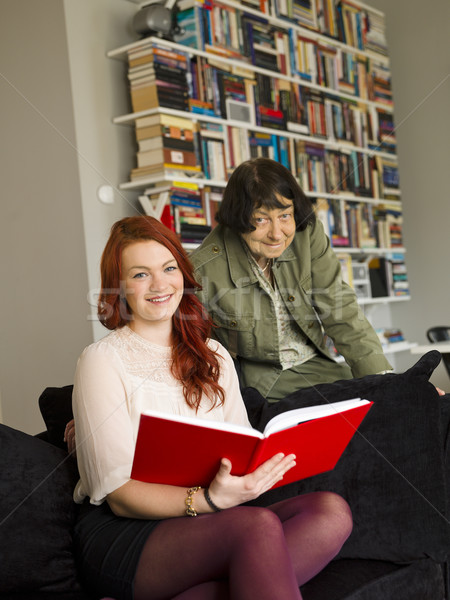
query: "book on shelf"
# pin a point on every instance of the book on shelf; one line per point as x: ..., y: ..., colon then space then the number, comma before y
x: 153, y: 95
x: 322, y: 211
x: 380, y: 272
x: 389, y: 225
x: 345, y: 261
x: 261, y: 145
x: 166, y: 141
x: 317, y: 435
x: 297, y: 127
x: 302, y: 12
x: 173, y: 170
x: 187, y: 17
x: 389, y: 176
x: 166, y: 120
x: 193, y: 233
x: 145, y: 132
x: 400, y: 283
x: 169, y: 142
x: 191, y: 219
x: 164, y: 80
x: 166, y: 155
x: 283, y: 50
x: 183, y: 199
x: 375, y: 38
x: 390, y: 336
x: 211, y: 198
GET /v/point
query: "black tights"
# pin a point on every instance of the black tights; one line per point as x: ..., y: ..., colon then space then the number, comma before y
x: 245, y: 552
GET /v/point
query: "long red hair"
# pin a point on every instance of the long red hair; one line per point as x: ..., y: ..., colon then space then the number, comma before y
x: 193, y: 361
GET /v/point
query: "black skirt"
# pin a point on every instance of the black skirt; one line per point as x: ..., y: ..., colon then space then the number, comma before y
x: 108, y: 549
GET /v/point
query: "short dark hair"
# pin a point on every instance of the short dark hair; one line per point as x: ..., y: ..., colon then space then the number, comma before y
x: 260, y: 182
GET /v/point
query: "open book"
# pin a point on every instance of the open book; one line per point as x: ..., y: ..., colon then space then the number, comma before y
x: 186, y: 451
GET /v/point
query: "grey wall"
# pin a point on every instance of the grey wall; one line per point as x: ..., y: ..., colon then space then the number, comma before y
x: 58, y: 94
x: 43, y: 259
x: 419, y: 48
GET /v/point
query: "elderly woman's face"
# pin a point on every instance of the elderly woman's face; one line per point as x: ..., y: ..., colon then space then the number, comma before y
x: 274, y: 231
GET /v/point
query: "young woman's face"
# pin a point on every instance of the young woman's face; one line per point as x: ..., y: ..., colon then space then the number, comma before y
x: 153, y: 282
x: 274, y: 230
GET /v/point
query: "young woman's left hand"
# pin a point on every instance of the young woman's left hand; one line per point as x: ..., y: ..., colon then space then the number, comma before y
x: 229, y: 490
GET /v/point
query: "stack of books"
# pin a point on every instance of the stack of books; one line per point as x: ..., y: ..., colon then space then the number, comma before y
x: 388, y: 276
x: 212, y: 148
x: 386, y: 132
x: 381, y: 82
x: 400, y: 283
x: 166, y: 144
x: 189, y: 219
x: 158, y: 77
x: 187, y: 18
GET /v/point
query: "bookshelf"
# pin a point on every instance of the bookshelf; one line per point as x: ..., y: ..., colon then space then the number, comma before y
x: 305, y: 83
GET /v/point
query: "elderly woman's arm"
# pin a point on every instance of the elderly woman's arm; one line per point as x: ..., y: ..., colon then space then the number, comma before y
x: 342, y: 317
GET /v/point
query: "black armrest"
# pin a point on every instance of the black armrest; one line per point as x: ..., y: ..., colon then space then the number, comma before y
x: 393, y: 473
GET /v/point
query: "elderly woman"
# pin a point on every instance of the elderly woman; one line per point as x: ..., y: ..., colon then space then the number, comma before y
x: 273, y: 287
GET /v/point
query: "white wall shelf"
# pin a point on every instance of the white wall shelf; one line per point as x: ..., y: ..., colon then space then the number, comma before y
x: 122, y: 53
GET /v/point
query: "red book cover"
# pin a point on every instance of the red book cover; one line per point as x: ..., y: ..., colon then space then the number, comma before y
x: 186, y: 451
x: 270, y: 112
x: 167, y: 217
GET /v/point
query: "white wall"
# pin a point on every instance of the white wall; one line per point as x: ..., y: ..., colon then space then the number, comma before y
x: 105, y: 151
x: 419, y: 48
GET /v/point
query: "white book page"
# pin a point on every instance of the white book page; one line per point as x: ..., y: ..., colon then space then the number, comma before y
x: 212, y: 424
x: 300, y: 415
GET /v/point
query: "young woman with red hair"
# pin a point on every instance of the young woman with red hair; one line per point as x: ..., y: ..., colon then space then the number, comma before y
x: 137, y: 540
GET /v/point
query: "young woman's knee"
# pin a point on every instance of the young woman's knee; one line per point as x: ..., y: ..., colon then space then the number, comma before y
x: 336, y: 512
x: 252, y: 521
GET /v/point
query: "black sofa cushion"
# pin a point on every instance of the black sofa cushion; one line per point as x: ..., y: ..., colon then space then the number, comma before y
x: 354, y: 579
x: 55, y: 404
x: 392, y: 473
x: 36, y: 519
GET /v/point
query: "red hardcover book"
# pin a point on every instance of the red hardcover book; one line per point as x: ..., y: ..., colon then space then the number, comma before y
x: 167, y: 218
x: 185, y: 451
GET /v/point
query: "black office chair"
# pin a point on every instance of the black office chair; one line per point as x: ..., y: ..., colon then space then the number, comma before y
x: 441, y: 334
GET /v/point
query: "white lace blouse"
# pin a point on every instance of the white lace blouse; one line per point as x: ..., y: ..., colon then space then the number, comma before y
x: 115, y: 380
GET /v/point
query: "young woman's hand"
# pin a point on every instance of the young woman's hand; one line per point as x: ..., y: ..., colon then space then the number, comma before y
x: 227, y: 490
x: 69, y: 437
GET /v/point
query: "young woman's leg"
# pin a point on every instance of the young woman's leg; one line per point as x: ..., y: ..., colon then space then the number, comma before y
x: 212, y: 590
x: 315, y: 526
x: 244, y: 545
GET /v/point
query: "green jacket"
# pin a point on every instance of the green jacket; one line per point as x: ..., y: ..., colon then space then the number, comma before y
x: 308, y: 276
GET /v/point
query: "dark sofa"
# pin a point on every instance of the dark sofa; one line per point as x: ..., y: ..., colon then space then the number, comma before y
x: 394, y: 475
